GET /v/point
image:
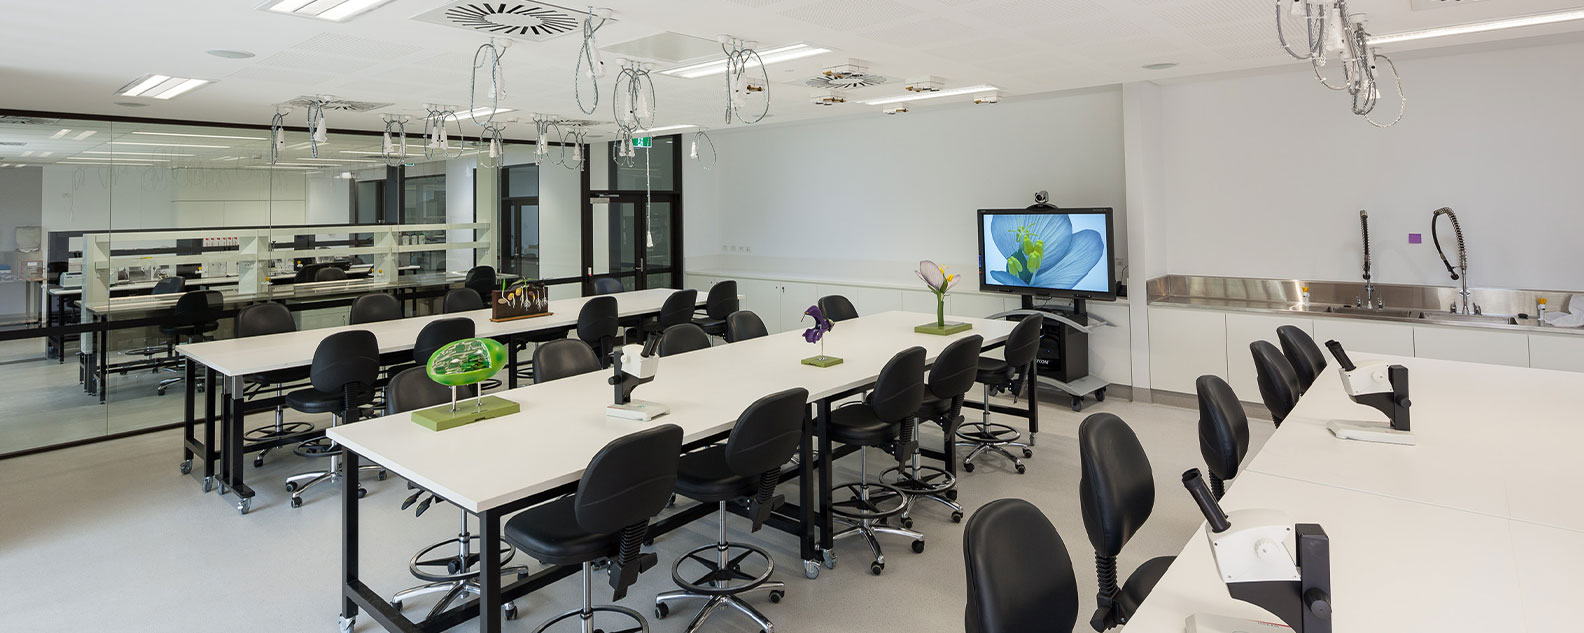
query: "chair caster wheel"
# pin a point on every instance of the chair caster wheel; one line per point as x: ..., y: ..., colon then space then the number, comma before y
x: 291, y: 486
x: 1022, y: 469
x: 956, y: 517
x: 876, y: 567
x: 918, y: 547
x: 907, y: 522
x: 362, y: 492
x: 296, y: 502
x: 951, y: 495
x: 382, y: 475
x: 258, y: 462
x: 648, y: 542
x: 661, y: 610
x: 775, y: 596
x: 811, y: 569
x: 186, y: 467
x: 1027, y: 453
x: 511, y: 611
x: 968, y: 466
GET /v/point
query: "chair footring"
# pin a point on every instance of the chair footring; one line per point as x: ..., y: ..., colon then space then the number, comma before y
x: 717, y: 578
x: 588, y: 614
x: 870, y: 500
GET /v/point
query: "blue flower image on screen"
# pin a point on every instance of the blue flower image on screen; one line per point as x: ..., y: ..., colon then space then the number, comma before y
x: 1063, y: 252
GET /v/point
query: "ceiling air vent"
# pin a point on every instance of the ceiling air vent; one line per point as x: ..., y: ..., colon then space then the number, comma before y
x: 853, y: 74
x: 336, y: 105
x: 534, y: 21
x: 26, y: 120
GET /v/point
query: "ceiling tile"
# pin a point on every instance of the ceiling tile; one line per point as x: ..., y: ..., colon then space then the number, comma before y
x: 316, y: 62
x: 926, y: 31
x: 849, y: 15
x: 350, y: 46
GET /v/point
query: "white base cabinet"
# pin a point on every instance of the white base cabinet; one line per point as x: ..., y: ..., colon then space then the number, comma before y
x: 1184, y: 345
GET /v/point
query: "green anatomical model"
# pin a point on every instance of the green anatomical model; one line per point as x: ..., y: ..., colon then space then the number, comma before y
x: 466, y: 362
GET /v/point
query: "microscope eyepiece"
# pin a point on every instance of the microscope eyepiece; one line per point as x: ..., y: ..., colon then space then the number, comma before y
x: 1208, y: 505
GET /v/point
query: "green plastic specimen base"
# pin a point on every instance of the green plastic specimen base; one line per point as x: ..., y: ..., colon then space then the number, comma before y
x: 822, y: 361
x: 441, y: 418
x: 943, y: 330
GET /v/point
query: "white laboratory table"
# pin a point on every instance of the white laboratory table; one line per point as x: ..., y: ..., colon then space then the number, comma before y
x: 226, y: 362
x: 498, y: 466
x: 1476, y: 528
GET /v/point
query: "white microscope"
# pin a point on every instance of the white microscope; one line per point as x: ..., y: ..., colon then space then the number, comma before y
x: 635, y: 365
x: 1254, y: 561
x: 1377, y: 385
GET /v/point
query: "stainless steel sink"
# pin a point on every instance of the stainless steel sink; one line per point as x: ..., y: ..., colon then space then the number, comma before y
x: 1448, y: 317
x: 1386, y: 313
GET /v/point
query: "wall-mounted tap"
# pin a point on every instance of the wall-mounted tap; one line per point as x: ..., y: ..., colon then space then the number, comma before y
x: 1460, y: 274
x: 1369, y: 284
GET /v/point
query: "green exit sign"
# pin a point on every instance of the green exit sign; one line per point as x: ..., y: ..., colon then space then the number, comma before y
x: 645, y: 142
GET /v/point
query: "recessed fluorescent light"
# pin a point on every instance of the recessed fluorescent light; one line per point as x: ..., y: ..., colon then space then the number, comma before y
x: 332, y: 10
x: 285, y: 166
x: 339, y: 160
x: 239, y: 138
x: 1480, y: 27
x: 140, y: 154
x: 45, y: 154
x: 59, y: 134
x: 110, y: 164
x: 27, y: 153
x: 768, y: 56
x: 663, y: 128
x: 84, y: 134
x: 169, y: 145
x: 159, y: 86
x: 485, y: 111
x: 105, y: 158
x: 933, y: 95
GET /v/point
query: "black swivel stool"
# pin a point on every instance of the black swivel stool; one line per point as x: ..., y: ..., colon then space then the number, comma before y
x: 748, y: 466
x: 1020, y: 578
x: 625, y: 485
x: 950, y: 378
x: 345, y: 366
x: 482, y: 280
x: 372, y: 308
x: 718, y: 304
x: 1278, y: 382
x: 262, y: 319
x: 885, y: 418
x: 1302, y: 353
x: 837, y: 308
x: 608, y: 286
x: 330, y: 273
x: 462, y: 300
x: 683, y: 338
x: 1223, y: 431
x: 743, y: 325
x: 1004, y: 374
x: 1117, y: 493
x: 677, y: 309
x: 195, y: 315
x: 562, y: 358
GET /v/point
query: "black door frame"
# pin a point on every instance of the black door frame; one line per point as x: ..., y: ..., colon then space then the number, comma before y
x: 641, y: 198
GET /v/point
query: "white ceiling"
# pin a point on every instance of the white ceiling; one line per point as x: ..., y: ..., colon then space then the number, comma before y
x: 72, y: 56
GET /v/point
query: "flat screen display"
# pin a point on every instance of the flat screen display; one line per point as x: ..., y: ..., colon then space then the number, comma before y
x: 1058, y: 252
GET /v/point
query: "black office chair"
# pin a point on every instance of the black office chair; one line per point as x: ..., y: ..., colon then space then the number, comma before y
x: 885, y: 419
x: 743, y: 325
x: 1004, y: 374
x: 330, y: 273
x: 169, y: 286
x: 440, y: 333
x: 677, y: 309
x: 562, y: 358
x: 482, y: 280
x: 375, y: 307
x: 1278, y: 382
x: 624, y: 486
x: 1117, y: 494
x: 950, y: 378
x: 462, y: 300
x: 608, y: 286
x: 262, y: 319
x: 1223, y: 430
x: 747, y: 465
x: 166, y: 286
x: 1020, y: 578
x: 308, y: 273
x: 1305, y: 357
x: 194, y: 316
x: 837, y: 308
x: 718, y: 304
x: 598, y: 325
x: 345, y: 366
x: 683, y: 338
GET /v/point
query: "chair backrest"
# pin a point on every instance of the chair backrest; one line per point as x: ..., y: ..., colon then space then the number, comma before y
x: 371, y: 308
x: 721, y: 300
x: 629, y: 480
x: 199, y: 306
x: 608, y: 286
x: 462, y: 300
x: 260, y: 319
x: 1117, y: 488
x: 330, y: 273
x: 169, y: 286
x: 956, y: 368
x: 767, y: 433
x: 1020, y: 577
x: 307, y: 273
x: 743, y: 325
x: 345, y: 358
x: 1302, y: 353
x: 683, y: 338
x: 412, y: 388
x: 1278, y: 383
x: 440, y: 333
x: 837, y: 308
x: 561, y: 358
x: 899, y: 390
x: 678, y: 308
x: 482, y: 280
x: 1022, y: 345
x: 597, y: 324
x: 1223, y: 427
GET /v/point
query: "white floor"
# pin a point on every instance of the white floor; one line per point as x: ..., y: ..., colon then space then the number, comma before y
x: 109, y: 537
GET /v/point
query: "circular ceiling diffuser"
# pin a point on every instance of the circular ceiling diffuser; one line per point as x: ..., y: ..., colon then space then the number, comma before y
x: 845, y: 81
x: 519, y: 19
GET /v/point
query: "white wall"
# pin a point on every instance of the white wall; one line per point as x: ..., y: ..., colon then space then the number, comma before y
x: 1264, y: 176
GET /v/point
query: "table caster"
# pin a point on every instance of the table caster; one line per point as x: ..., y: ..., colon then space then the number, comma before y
x: 918, y: 547
x: 661, y: 610
x: 244, y: 504
x: 511, y: 611
x: 186, y: 467
x: 1100, y: 395
x: 811, y: 569
x: 1077, y: 404
x: 830, y: 559
x: 346, y: 623
x: 777, y: 595
x: 208, y: 484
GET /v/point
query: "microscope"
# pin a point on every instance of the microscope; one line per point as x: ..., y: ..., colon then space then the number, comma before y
x: 1255, y: 562
x: 1377, y: 385
x: 634, y: 365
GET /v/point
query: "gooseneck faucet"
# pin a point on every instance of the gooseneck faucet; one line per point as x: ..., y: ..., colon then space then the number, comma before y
x: 1460, y: 273
x: 1369, y: 284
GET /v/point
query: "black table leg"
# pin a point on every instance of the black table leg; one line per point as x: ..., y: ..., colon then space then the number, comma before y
x: 807, y: 549
x: 102, y: 351
x: 827, y: 520
x: 235, y: 454
x: 189, y: 402
x: 489, y: 573
x: 349, y: 538
x: 210, y: 378
x: 511, y: 366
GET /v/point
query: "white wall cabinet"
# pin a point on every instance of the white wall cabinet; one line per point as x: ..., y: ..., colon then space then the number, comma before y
x: 1370, y: 337
x: 1551, y: 351
x: 1184, y: 345
x: 1242, y: 329
x: 1472, y: 345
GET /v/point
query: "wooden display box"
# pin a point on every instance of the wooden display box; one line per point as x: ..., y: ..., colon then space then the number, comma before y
x: 520, y: 302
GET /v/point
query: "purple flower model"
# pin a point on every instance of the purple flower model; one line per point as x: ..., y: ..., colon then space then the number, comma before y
x: 822, y: 325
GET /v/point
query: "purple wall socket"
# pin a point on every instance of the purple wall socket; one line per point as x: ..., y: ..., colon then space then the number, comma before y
x: 1415, y: 238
